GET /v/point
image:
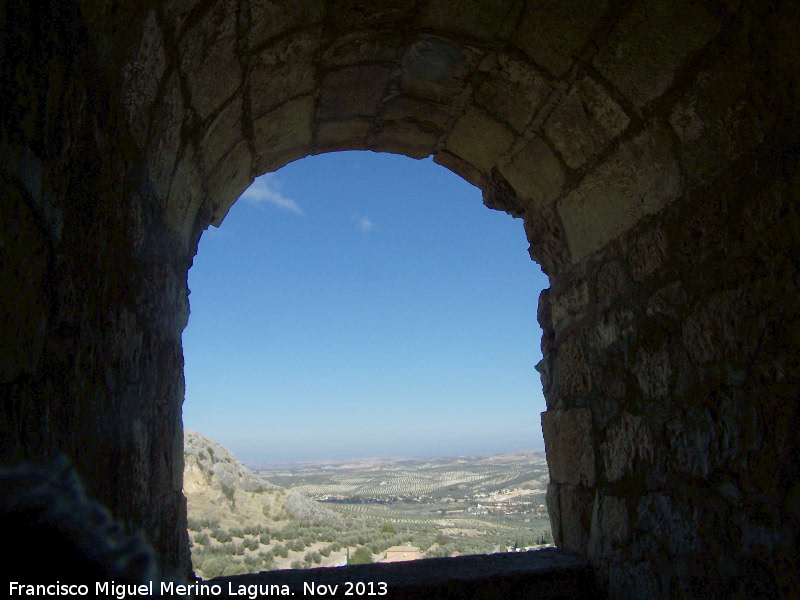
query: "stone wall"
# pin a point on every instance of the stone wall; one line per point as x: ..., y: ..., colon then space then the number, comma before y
x: 650, y: 147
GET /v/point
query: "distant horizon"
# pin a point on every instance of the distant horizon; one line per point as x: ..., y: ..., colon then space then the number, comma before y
x: 361, y: 304
x: 252, y: 455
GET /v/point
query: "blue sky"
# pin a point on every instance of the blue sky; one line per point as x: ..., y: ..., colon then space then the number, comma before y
x: 359, y: 304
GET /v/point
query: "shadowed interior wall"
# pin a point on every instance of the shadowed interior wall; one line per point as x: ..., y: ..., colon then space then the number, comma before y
x: 650, y: 147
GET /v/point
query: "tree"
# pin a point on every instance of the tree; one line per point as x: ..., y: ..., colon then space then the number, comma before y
x: 361, y: 556
x: 388, y: 528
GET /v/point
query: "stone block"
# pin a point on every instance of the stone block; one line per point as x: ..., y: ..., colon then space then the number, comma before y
x: 185, y: 196
x: 361, y: 46
x: 584, y: 122
x: 629, y: 443
x: 269, y: 19
x: 647, y: 252
x: 610, y: 283
x: 653, y: 370
x: 668, y: 301
x: 640, y: 179
x: 222, y: 134
x: 404, y: 137
x: 283, y: 135
x: 352, y: 92
x: 576, y: 504
x: 513, y: 91
x: 232, y: 176
x: 208, y: 58
x: 613, y: 326
x: 460, y: 167
x: 163, y: 149
x: 569, y: 443
x: 569, y: 301
x: 535, y: 173
x: 675, y: 523
x: 141, y: 77
x: 552, y: 33
x: 571, y: 373
x: 428, y: 115
x: 610, y: 526
x: 435, y: 69
x: 717, y: 121
x: 475, y: 18
x: 544, y: 231
x: 282, y: 71
x: 334, y: 136
x: 649, y: 43
x: 479, y: 139
x: 711, y: 330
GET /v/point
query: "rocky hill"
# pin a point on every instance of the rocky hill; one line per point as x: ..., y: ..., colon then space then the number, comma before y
x: 220, y: 488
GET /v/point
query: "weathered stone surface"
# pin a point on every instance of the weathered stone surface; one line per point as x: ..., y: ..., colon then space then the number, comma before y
x: 209, y: 61
x: 342, y: 135
x: 648, y: 252
x: 575, y: 507
x: 629, y: 445
x: 513, y: 91
x: 641, y: 178
x: 711, y: 329
x: 284, y: 134
x: 270, y: 19
x: 613, y: 326
x: 434, y: 68
x: 282, y: 71
x: 535, y: 173
x: 163, y: 150
x: 360, y: 46
x: 352, y: 92
x: 584, y: 122
x: 610, y: 525
x: 716, y: 121
x: 142, y: 76
x: 673, y: 522
x: 223, y: 133
x: 649, y: 43
x: 568, y: 440
x: 185, y: 196
x: 553, y: 33
x: 474, y: 17
x: 405, y: 138
x: 571, y: 372
x: 479, y: 139
x: 229, y: 180
x: 569, y: 301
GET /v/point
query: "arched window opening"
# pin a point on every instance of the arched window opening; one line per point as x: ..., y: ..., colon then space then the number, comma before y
x: 358, y: 306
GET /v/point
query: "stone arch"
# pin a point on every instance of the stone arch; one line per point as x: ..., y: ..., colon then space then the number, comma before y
x: 650, y: 147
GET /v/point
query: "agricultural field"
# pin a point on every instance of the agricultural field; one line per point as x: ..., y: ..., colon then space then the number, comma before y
x: 503, y: 492
x: 307, y: 516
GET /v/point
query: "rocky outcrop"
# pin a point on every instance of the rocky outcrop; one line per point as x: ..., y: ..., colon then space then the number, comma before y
x: 220, y: 488
x: 649, y: 146
x: 207, y: 461
x: 304, y: 509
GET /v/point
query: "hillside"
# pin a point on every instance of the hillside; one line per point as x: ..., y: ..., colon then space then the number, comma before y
x: 219, y: 488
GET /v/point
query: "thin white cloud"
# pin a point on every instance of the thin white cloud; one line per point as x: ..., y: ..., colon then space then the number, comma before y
x: 263, y: 191
x: 365, y: 224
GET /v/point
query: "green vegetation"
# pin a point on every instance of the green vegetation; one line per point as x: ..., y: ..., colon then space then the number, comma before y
x: 361, y: 556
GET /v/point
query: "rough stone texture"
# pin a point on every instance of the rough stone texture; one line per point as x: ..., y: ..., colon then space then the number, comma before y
x: 649, y: 146
x: 640, y: 179
x: 568, y: 439
x: 586, y: 120
x: 629, y: 444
